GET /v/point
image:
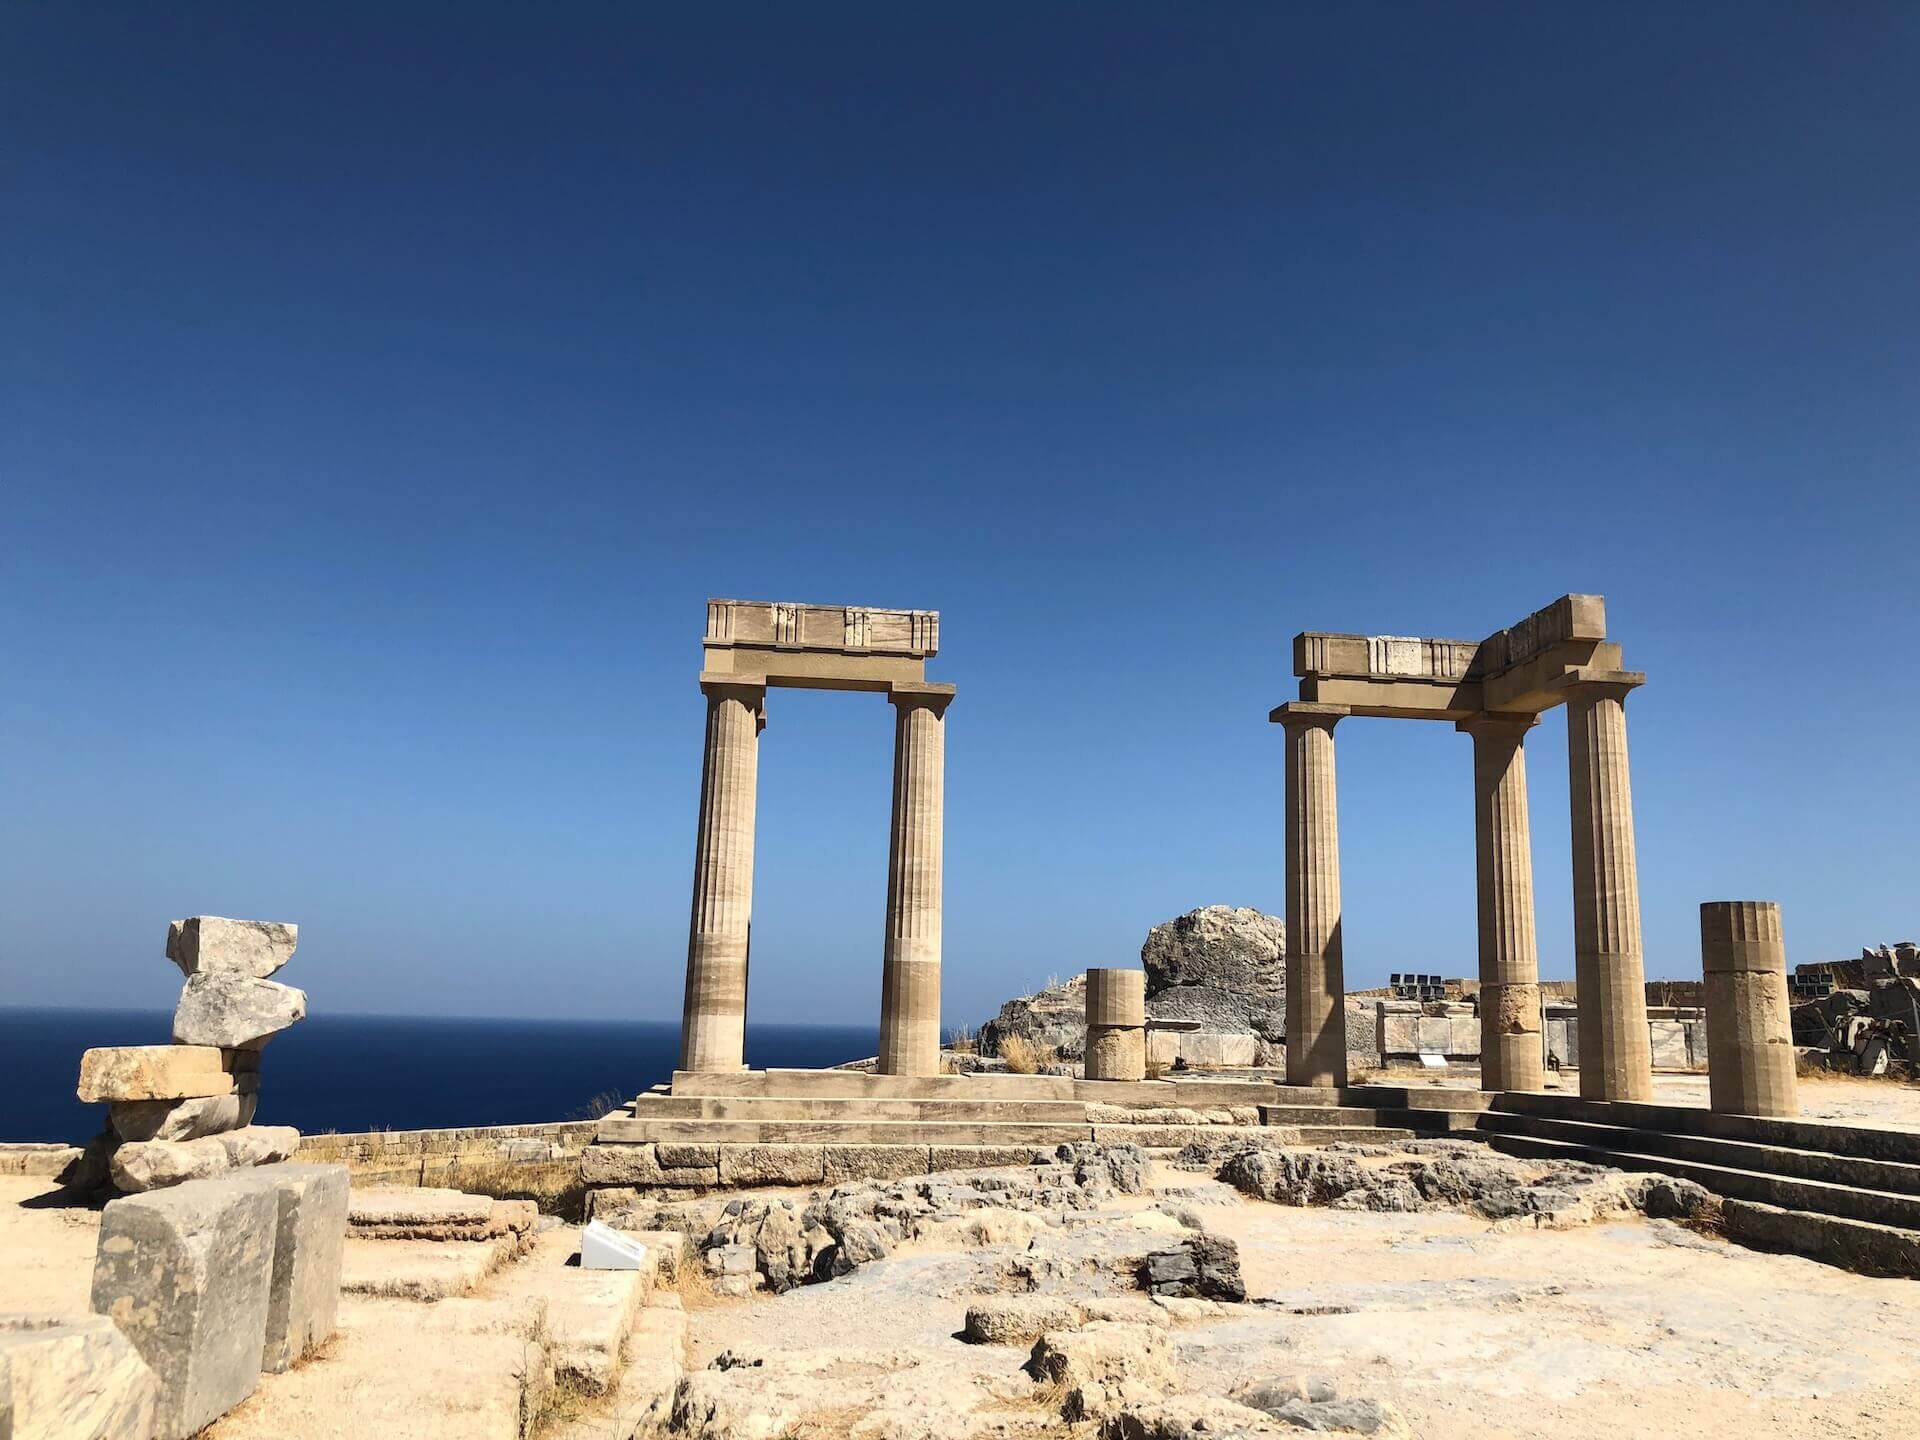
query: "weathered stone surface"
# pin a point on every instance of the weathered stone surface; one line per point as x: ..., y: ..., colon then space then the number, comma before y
x: 159, y: 1164
x: 187, y: 1275
x: 1054, y: 1018
x: 182, y: 1119
x: 418, y: 1207
x: 72, y: 1378
x: 1205, y: 1267
x: 640, y: 1165
x: 309, y: 1237
x: 1314, y: 1404
x: 1103, y: 1365
x: 1191, y: 1417
x: 873, y: 1162
x: 30, y: 1157
x: 152, y: 1072
x: 1018, y: 1319
x: 772, y: 1165
x: 210, y: 944
x: 235, y: 1011
x: 1222, y: 965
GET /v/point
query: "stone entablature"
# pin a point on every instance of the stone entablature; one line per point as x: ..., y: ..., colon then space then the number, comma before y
x: 1524, y: 669
x: 831, y: 647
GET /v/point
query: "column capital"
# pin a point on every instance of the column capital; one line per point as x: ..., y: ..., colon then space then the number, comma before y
x: 1308, y: 715
x: 908, y: 695
x: 1586, y: 682
x: 1499, y: 724
x: 718, y: 684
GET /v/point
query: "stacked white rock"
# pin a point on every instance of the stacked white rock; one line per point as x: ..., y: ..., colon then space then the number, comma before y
x: 185, y: 1111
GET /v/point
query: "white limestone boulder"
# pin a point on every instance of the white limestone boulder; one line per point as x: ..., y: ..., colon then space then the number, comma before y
x: 182, y: 1119
x: 152, y: 1072
x: 235, y: 1011
x: 309, y: 1242
x: 71, y: 1377
x: 161, y: 1164
x: 187, y: 1275
x: 213, y: 944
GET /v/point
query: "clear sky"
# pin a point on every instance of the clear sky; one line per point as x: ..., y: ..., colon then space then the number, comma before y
x: 383, y: 390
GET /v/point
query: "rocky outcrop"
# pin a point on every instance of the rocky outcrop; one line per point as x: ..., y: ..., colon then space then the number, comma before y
x: 1054, y: 1018
x: 1451, y: 1174
x: 1222, y: 965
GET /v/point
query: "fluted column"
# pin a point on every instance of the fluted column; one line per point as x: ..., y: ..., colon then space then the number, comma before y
x: 1749, y: 1030
x: 1510, y: 1048
x: 910, y: 978
x: 1116, y: 1009
x: 713, y: 1019
x: 1616, y: 1058
x: 1316, y: 985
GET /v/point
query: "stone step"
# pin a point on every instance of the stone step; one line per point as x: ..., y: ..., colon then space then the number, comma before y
x: 855, y: 1109
x: 1438, y: 1121
x: 846, y: 1084
x: 1849, y: 1202
x: 1784, y: 1160
x: 1835, y: 1139
x: 620, y: 1131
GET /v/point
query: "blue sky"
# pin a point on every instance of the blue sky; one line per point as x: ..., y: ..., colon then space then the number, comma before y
x: 382, y: 394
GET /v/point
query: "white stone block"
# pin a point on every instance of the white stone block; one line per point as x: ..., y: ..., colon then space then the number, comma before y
x: 602, y: 1248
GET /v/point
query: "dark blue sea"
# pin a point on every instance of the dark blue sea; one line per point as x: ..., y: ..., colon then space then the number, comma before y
x: 351, y: 1072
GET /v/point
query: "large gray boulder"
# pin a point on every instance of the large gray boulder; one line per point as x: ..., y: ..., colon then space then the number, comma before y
x: 235, y: 1011
x: 72, y: 1375
x: 310, y: 1239
x: 1223, y: 966
x: 187, y: 1274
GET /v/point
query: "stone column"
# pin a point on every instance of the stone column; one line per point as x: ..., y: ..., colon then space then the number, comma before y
x: 713, y: 1019
x: 1749, y: 1031
x: 1511, y: 1057
x: 910, y: 979
x: 1316, y: 986
x: 1116, y: 1024
x: 1616, y: 1057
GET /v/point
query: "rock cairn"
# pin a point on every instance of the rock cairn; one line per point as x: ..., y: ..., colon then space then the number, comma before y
x: 185, y: 1111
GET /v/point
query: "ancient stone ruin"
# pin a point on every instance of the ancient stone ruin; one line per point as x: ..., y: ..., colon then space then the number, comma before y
x: 185, y: 1111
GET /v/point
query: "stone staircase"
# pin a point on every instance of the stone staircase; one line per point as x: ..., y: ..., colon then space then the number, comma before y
x: 956, y: 1120
x: 1842, y: 1193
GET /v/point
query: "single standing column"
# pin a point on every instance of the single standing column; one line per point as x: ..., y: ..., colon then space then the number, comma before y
x: 1116, y: 1024
x: 1749, y: 1031
x: 910, y: 979
x: 713, y: 1019
x: 1316, y: 986
x: 1510, y: 1050
x: 1616, y: 1056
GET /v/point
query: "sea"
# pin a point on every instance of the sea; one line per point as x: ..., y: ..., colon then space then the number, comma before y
x: 386, y: 1072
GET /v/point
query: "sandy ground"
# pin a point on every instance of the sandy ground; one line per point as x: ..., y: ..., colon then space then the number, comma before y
x: 46, y: 1250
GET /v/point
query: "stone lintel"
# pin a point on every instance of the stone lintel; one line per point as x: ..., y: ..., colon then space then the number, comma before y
x: 1589, y: 678
x: 822, y: 647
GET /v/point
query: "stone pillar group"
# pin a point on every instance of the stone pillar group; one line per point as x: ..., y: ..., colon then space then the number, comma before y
x: 1749, y: 1032
x: 1316, y: 986
x: 1511, y: 1056
x: 1616, y: 1057
x: 713, y: 1022
x: 910, y: 978
x: 1116, y: 1024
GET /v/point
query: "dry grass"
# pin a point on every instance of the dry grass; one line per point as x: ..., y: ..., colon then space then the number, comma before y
x: 1027, y: 1057
x: 696, y: 1287
x: 825, y: 1424
x: 1155, y: 1070
x: 555, y: 1186
x: 963, y: 1041
x: 1808, y: 1069
x: 600, y: 1106
x: 570, y: 1402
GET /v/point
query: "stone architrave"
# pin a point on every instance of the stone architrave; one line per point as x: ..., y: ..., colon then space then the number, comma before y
x: 235, y: 1011
x: 1316, y: 985
x: 309, y: 1240
x: 209, y: 944
x: 1616, y: 1057
x: 910, y: 973
x: 1116, y: 1024
x: 72, y: 1377
x: 152, y: 1072
x: 1750, y: 1057
x: 187, y: 1275
x: 713, y: 1024
x: 1511, y: 1053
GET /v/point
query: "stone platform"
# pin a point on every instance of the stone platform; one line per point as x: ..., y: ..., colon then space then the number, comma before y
x: 711, y: 1130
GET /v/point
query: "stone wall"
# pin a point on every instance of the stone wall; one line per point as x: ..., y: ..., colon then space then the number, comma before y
x: 433, y: 1157
x: 1407, y: 1029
